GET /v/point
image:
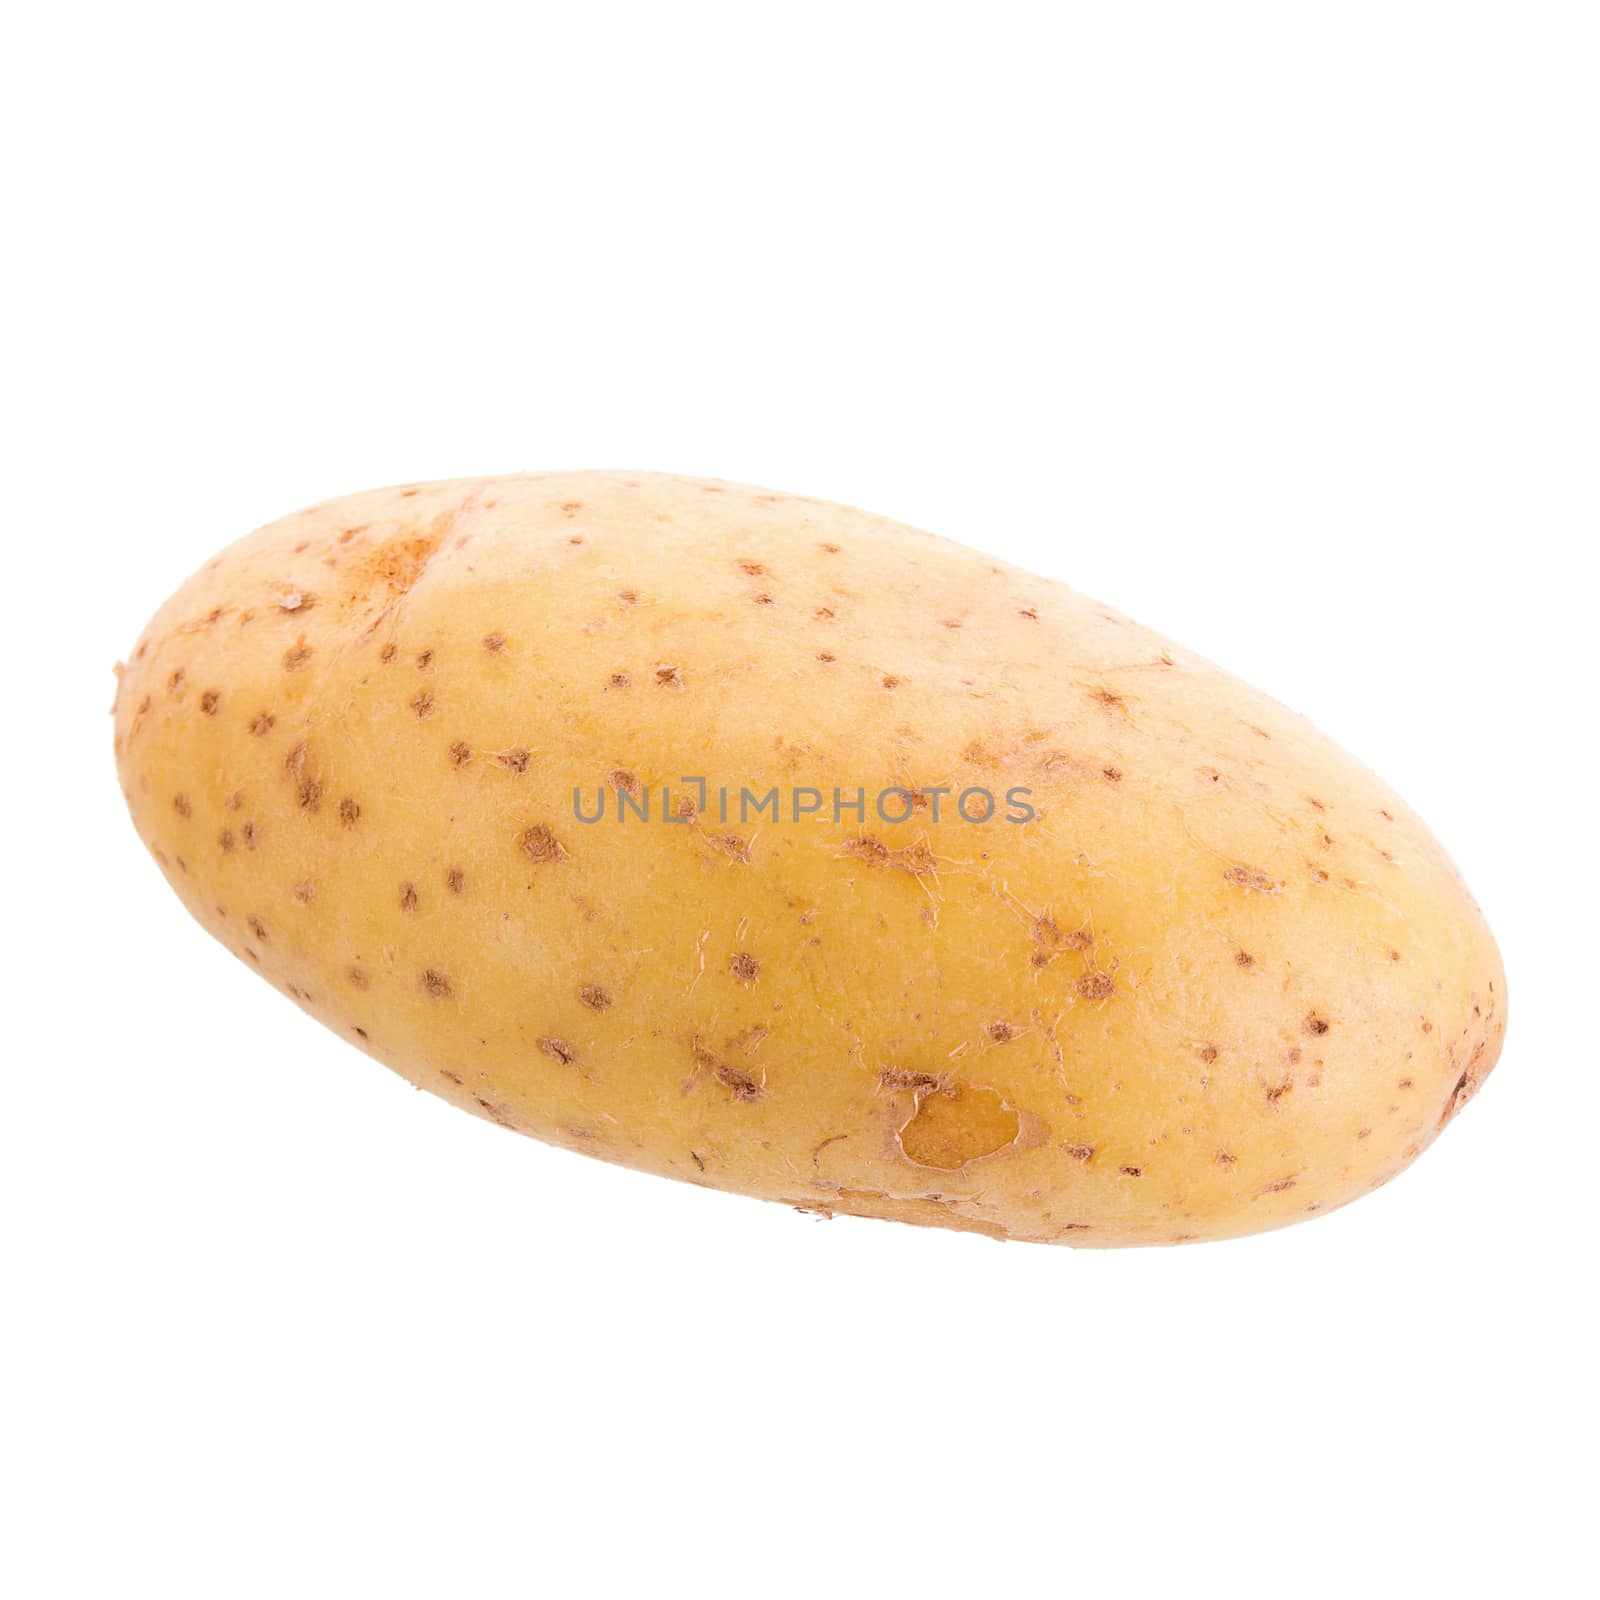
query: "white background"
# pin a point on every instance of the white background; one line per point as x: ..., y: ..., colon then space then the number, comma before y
x: 1274, y: 325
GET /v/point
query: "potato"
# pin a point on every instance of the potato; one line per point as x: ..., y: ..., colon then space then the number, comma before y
x: 1196, y: 974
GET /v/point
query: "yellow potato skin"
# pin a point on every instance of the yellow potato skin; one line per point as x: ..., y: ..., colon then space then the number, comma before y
x: 1223, y: 979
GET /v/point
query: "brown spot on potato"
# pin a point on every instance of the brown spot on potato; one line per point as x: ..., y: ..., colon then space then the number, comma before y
x: 349, y: 812
x: 1001, y: 1032
x: 408, y: 897
x: 180, y: 804
x: 1251, y: 879
x: 1316, y: 1025
x: 1131, y: 1172
x: 1080, y: 1152
x: 494, y: 643
x: 422, y: 702
x: 296, y: 656
x: 593, y: 996
x: 739, y: 1084
x: 900, y: 1078
x: 258, y: 928
x: 540, y: 845
x: 745, y: 968
x: 302, y: 893
x: 669, y: 677
x: 515, y: 760
x: 558, y: 1050
x: 1096, y: 985
x: 209, y: 702
x: 436, y: 985
x: 455, y: 880
x: 261, y: 724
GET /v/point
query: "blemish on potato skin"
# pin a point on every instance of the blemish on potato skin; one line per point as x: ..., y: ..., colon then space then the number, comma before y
x: 957, y: 1124
x: 540, y: 845
x: 558, y: 1050
x: 669, y: 677
x: 422, y: 702
x: 436, y: 985
x: 901, y: 1078
x: 225, y: 841
x: 1315, y: 1024
x: 296, y: 656
x: 455, y: 880
x: 209, y: 702
x: 1081, y: 1152
x: 744, y: 967
x: 257, y: 927
x: 349, y: 812
x: 515, y: 761
x: 408, y: 897
x: 593, y: 996
x: 1096, y: 986
x: 180, y: 804
x: 262, y: 723
x: 1251, y: 879
x: 302, y: 892
x: 494, y: 643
